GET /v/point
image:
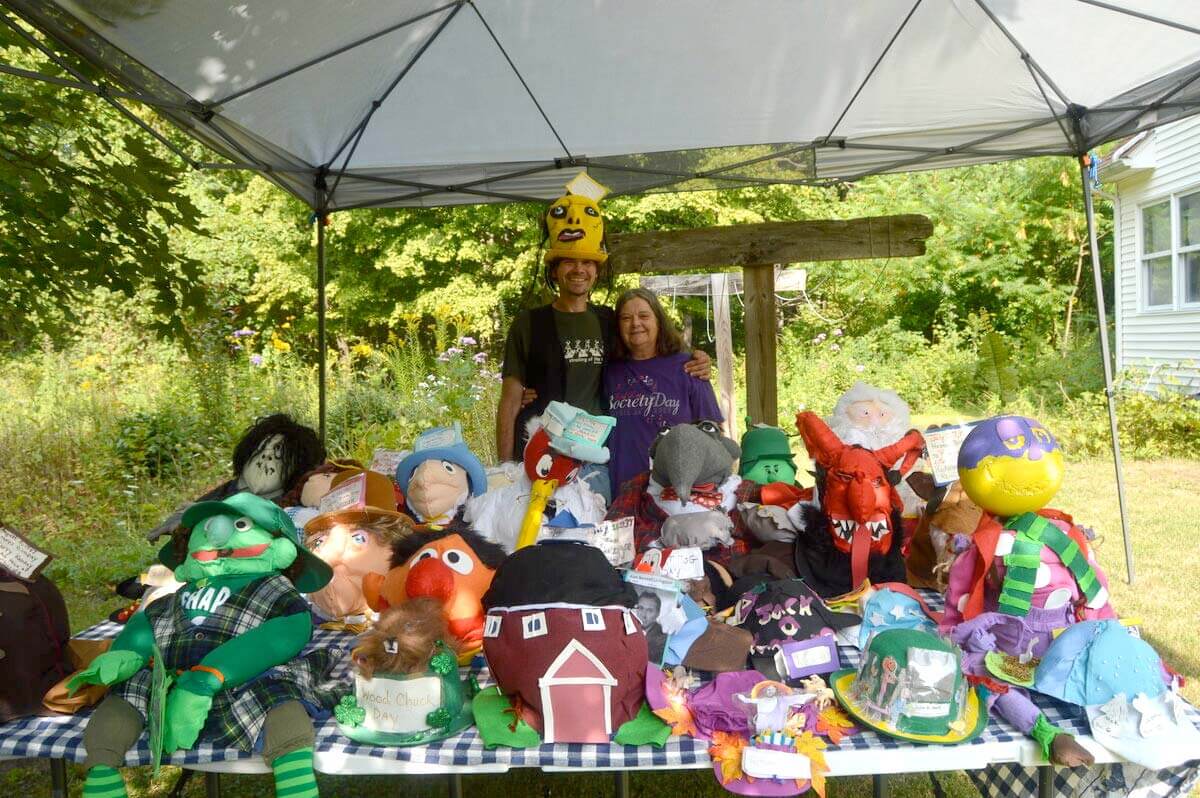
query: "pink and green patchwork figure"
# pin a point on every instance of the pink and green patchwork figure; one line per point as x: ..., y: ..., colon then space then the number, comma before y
x: 1029, y: 570
x: 229, y: 645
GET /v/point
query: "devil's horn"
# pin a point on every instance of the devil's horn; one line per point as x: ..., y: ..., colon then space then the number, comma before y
x: 909, y: 447
x: 822, y: 443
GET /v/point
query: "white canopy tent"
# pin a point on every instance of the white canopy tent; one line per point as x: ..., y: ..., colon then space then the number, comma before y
x: 394, y: 103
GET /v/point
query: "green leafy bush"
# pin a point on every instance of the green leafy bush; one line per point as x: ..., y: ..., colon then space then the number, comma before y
x: 157, y: 443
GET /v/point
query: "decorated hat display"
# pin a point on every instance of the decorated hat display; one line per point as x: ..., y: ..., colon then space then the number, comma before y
x: 782, y: 612
x: 894, y: 605
x: 910, y: 685
x: 412, y: 709
x: 560, y: 636
x: 443, y: 443
x: 1010, y: 465
x: 1118, y: 678
x: 314, y: 573
x: 372, y: 499
x: 574, y: 224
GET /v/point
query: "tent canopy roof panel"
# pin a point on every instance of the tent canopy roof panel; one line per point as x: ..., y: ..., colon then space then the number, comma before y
x: 438, y: 102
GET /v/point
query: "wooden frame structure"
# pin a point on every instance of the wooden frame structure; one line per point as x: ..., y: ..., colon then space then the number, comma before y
x: 757, y: 249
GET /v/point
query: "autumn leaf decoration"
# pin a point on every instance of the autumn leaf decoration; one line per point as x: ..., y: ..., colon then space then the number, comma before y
x: 813, y: 747
x: 726, y: 750
x: 676, y: 712
x: 834, y: 724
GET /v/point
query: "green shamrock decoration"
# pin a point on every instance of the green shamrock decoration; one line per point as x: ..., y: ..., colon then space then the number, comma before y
x: 439, y: 718
x: 349, y: 713
x: 443, y: 663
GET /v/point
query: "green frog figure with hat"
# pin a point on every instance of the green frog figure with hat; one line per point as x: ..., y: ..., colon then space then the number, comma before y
x: 220, y: 660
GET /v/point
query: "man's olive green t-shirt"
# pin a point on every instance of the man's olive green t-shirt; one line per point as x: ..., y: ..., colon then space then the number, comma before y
x: 582, y: 341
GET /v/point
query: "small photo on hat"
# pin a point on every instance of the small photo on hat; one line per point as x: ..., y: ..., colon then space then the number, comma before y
x: 911, y: 686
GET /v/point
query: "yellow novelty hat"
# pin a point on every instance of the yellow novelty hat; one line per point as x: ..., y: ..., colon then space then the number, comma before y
x: 574, y: 224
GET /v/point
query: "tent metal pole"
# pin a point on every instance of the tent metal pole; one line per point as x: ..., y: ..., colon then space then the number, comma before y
x: 1102, y: 319
x: 321, y: 322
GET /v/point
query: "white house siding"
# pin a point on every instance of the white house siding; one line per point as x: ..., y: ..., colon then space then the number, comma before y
x: 1164, y: 342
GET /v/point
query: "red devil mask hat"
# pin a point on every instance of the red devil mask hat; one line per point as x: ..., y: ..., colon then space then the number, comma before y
x: 857, y: 497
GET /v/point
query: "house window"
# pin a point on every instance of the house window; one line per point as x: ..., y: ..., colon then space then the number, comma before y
x: 534, y: 625
x: 1189, y: 246
x: 1156, y: 255
x: 593, y: 620
x: 1170, y: 260
x: 492, y: 627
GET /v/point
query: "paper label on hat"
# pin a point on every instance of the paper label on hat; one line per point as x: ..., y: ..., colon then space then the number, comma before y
x: 931, y: 677
x: 584, y: 185
x: 768, y: 763
x: 351, y: 493
x: 942, y: 446
x: 588, y: 429
x: 384, y: 461
x: 398, y: 705
x: 614, y: 538
x: 438, y: 438
x: 19, y: 556
x: 683, y: 564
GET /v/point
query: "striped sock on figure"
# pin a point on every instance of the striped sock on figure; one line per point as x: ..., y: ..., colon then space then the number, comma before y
x: 105, y: 782
x: 294, y: 777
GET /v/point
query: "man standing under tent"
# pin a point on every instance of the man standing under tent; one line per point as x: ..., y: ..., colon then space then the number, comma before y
x: 557, y: 352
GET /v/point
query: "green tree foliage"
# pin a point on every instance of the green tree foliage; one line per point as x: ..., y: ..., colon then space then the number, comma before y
x: 89, y: 202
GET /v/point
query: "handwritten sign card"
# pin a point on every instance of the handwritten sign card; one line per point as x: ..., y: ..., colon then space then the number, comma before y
x: 384, y: 461
x: 351, y: 493
x: 19, y: 556
x: 614, y: 538
x: 942, y: 446
x: 398, y: 705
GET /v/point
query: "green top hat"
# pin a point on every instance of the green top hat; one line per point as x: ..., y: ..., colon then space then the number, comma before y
x: 911, y: 686
x: 315, y: 573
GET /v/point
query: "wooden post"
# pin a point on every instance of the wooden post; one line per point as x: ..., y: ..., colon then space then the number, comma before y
x: 725, y: 395
x: 762, y: 330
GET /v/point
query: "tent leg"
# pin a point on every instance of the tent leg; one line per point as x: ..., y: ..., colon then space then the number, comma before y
x: 1102, y: 319
x: 58, y: 778
x: 321, y: 323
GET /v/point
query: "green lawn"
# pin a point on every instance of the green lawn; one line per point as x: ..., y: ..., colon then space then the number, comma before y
x: 1163, y: 510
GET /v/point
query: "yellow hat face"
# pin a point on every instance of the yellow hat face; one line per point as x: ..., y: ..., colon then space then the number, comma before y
x: 1010, y: 465
x: 576, y: 230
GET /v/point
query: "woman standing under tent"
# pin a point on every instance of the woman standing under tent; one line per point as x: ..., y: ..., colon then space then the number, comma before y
x: 646, y: 386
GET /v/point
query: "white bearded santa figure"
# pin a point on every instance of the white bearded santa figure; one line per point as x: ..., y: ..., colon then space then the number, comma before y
x: 874, y: 418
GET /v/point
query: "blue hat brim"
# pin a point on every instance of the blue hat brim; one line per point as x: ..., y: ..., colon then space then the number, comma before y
x: 458, y: 454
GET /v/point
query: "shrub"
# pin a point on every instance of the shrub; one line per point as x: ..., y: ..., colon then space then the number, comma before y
x: 158, y: 443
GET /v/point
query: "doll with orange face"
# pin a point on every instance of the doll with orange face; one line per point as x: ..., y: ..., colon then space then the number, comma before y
x: 454, y: 567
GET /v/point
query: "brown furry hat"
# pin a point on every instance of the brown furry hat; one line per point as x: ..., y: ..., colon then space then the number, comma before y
x: 402, y: 640
x: 949, y: 514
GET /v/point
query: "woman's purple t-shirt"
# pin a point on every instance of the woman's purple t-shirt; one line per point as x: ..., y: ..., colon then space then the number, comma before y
x: 645, y: 396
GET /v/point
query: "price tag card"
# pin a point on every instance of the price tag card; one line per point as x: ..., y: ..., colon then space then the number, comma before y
x: 351, y: 493
x: 942, y: 445
x: 384, y: 461
x: 615, y: 539
x: 19, y: 556
x: 438, y: 438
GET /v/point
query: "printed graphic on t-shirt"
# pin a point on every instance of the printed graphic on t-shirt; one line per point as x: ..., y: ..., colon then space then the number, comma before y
x: 583, y: 351
x: 639, y: 396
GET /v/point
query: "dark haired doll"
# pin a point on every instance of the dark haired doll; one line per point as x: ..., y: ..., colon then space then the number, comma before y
x: 271, y: 455
x: 454, y: 566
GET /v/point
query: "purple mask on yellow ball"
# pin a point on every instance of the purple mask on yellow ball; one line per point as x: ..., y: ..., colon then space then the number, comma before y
x: 1010, y: 465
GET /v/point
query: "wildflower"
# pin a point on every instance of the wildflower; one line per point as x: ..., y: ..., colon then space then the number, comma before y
x: 480, y: 357
x: 838, y: 331
x: 444, y: 357
x: 454, y: 350
x: 256, y: 360
x: 467, y: 340
x: 860, y: 368
x: 821, y: 337
x: 243, y: 333
x: 834, y: 347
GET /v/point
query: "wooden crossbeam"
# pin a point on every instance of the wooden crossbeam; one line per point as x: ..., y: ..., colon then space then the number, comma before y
x: 757, y: 248
x: 769, y: 242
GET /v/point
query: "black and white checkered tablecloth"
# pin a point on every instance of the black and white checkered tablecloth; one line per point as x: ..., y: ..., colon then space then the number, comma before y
x: 62, y: 738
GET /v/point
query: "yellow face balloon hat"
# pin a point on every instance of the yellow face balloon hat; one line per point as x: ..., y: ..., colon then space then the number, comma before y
x: 1010, y: 465
x: 574, y: 225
